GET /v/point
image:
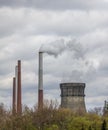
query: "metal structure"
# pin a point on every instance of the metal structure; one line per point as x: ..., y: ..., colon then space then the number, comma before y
x: 72, y: 96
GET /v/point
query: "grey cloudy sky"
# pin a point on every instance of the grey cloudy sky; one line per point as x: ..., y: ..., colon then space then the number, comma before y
x: 77, y: 31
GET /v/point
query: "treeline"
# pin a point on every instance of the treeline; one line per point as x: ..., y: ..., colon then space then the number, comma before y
x: 51, y: 117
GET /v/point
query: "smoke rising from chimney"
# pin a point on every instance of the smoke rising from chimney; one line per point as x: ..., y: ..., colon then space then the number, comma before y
x: 55, y: 48
x: 59, y: 46
x: 76, y: 55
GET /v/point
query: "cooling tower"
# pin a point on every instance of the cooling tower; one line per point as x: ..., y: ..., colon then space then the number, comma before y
x: 72, y: 96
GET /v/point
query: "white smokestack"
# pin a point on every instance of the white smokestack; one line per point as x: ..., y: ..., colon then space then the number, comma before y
x: 40, y: 81
x: 40, y: 71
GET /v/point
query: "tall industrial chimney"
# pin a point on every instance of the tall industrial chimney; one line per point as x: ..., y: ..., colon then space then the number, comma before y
x: 16, y: 83
x: 16, y: 75
x: 19, y: 99
x: 14, y: 95
x: 72, y: 97
x: 40, y: 81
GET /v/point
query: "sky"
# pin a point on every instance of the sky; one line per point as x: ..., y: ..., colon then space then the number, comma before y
x: 72, y: 33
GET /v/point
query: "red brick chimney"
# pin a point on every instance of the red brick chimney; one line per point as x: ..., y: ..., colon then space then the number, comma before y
x: 19, y: 96
x: 14, y: 95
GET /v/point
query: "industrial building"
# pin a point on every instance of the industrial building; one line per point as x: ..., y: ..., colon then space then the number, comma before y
x: 105, y: 109
x: 72, y: 96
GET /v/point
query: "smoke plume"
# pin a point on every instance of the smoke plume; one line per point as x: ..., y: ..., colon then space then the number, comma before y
x: 55, y: 48
x: 80, y: 66
x: 59, y: 46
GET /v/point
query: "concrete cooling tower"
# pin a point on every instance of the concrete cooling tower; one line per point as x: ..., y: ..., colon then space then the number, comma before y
x: 72, y: 96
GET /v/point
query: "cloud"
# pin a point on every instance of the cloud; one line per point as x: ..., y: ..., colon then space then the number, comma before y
x: 56, y: 5
x: 25, y: 22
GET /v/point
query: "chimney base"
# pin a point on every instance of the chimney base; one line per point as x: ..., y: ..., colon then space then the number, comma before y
x: 40, y: 99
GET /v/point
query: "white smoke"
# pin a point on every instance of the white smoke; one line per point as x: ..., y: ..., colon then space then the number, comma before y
x: 76, y: 48
x: 81, y: 70
x: 59, y: 46
x: 55, y: 48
